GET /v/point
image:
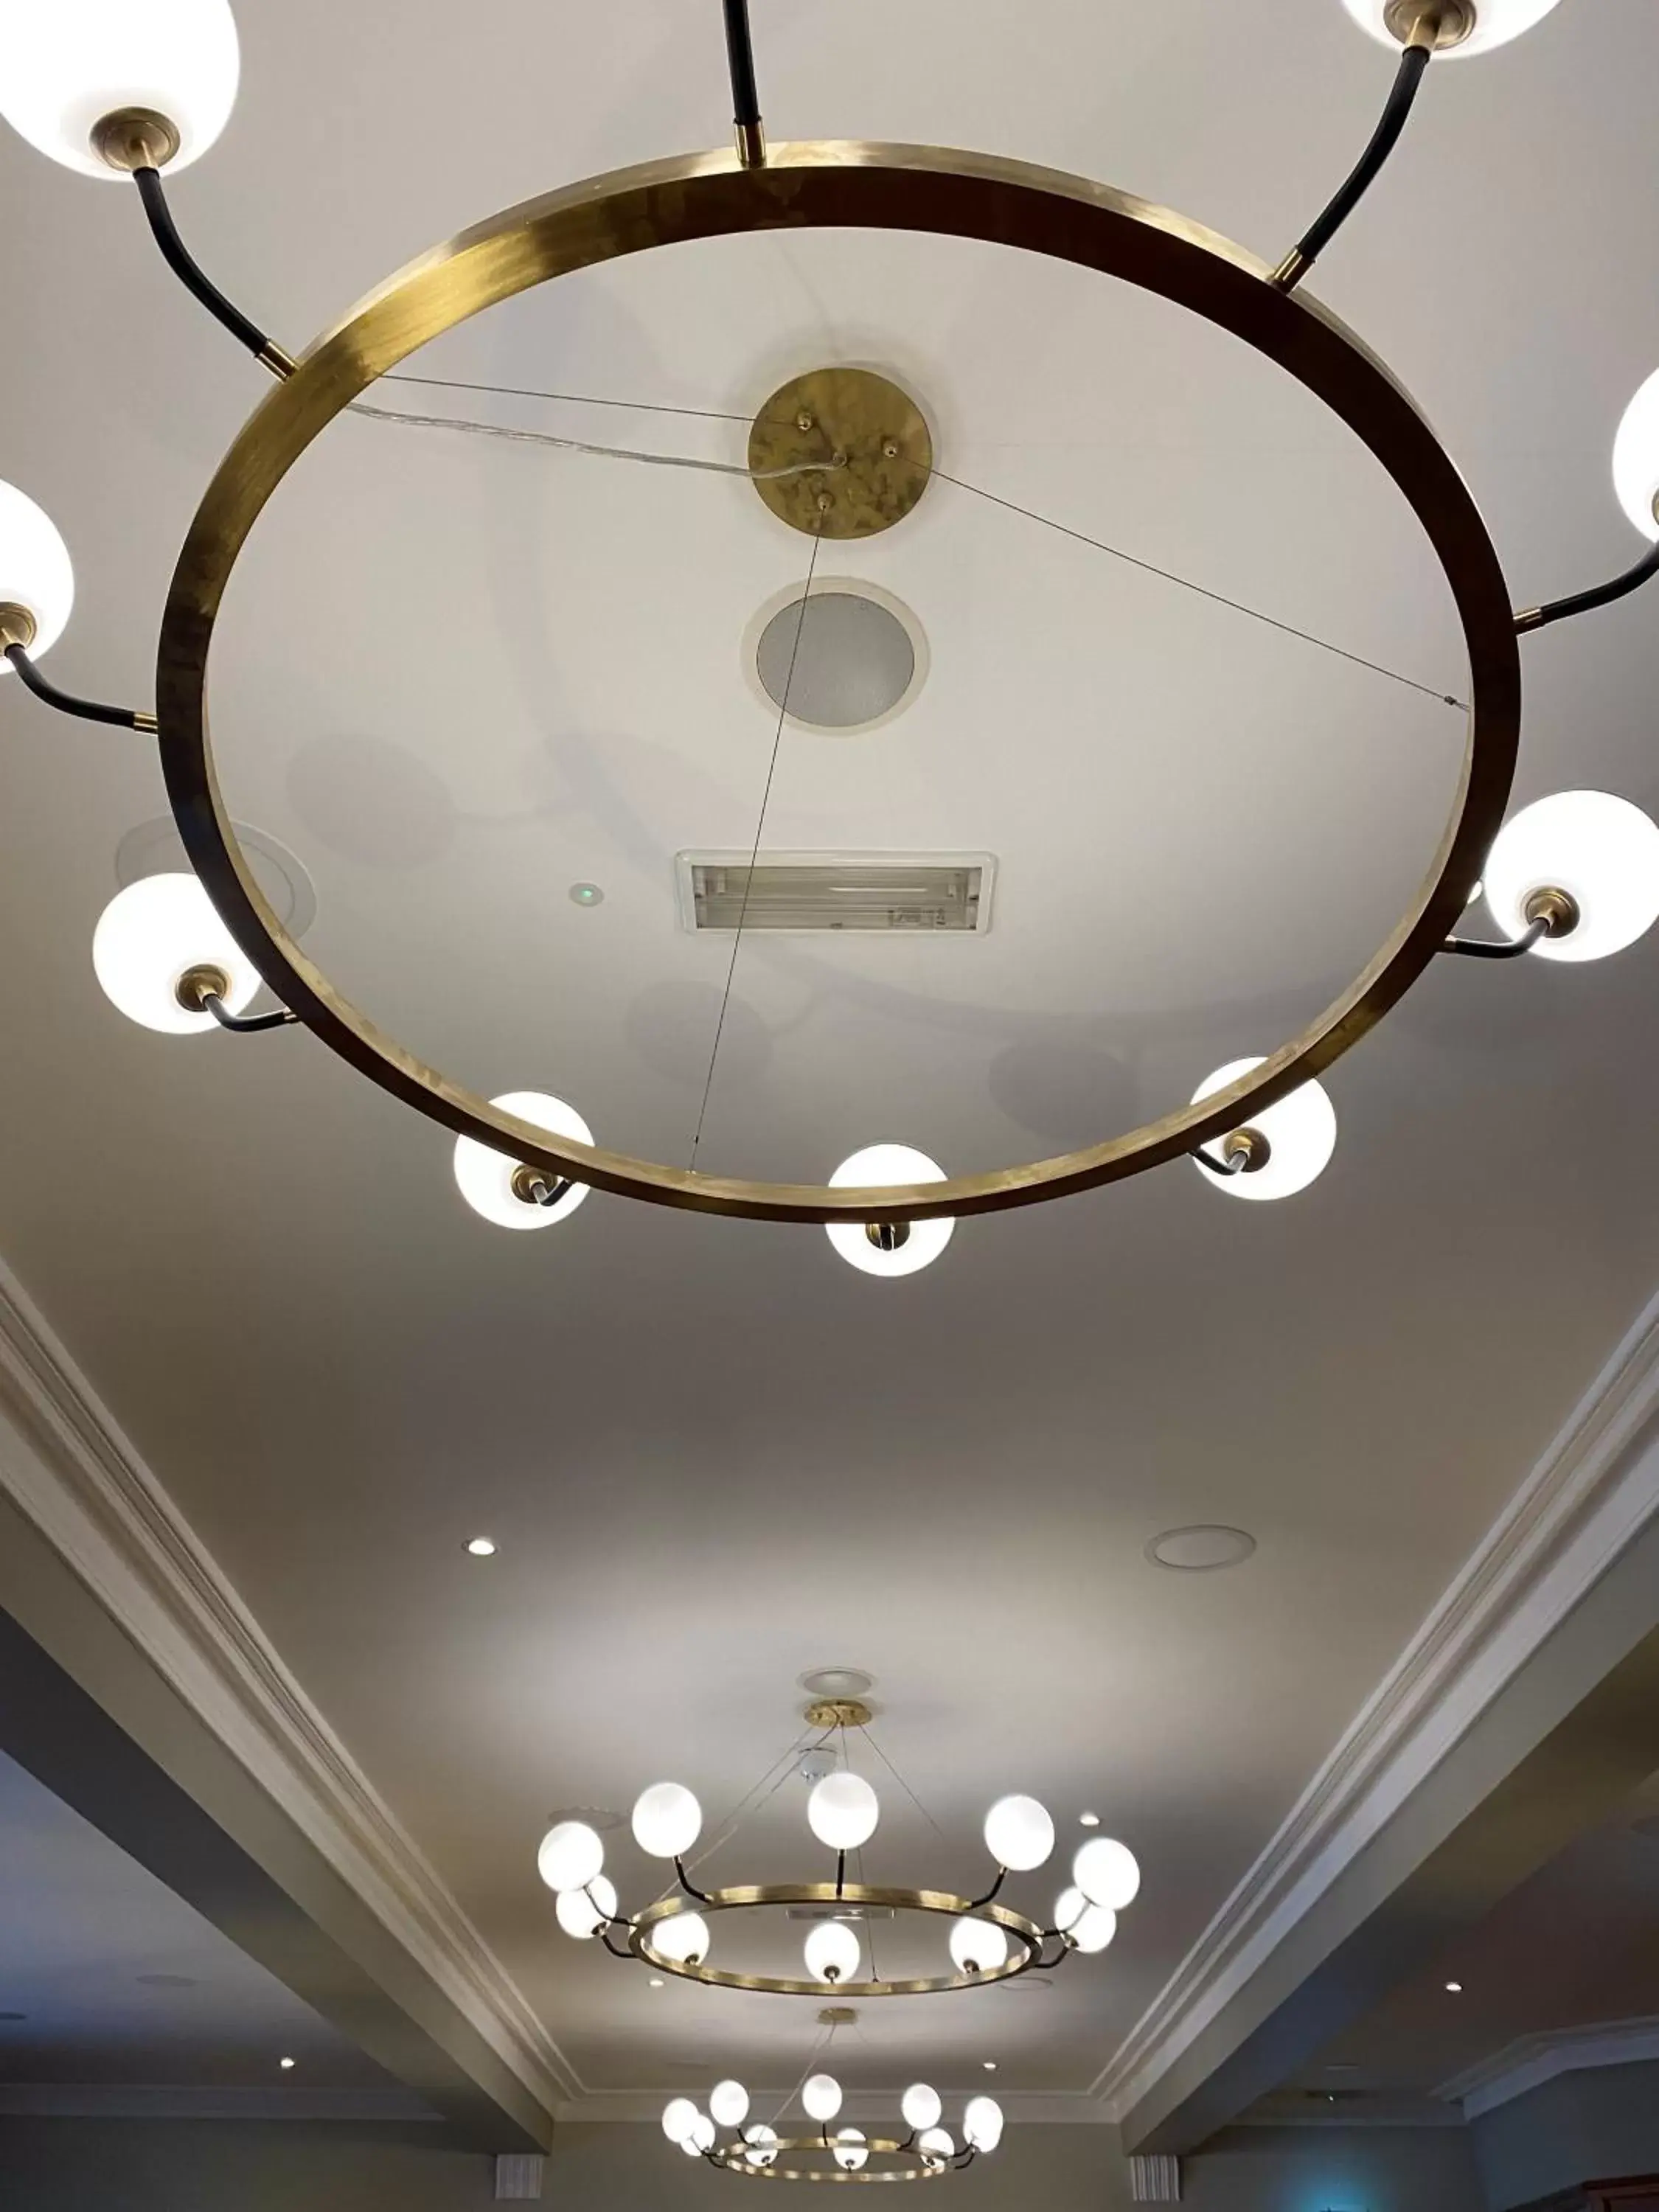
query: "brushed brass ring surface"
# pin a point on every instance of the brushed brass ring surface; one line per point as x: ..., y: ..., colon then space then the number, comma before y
x: 855, y: 185
x: 1027, y: 1936
x: 729, y: 2157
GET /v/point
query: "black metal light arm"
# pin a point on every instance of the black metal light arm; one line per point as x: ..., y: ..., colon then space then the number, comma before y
x: 184, y: 266
x: 1581, y: 602
x: 1413, y: 63
x: 246, y: 1024
x: 687, y: 1885
x: 1234, y: 1165
x: 745, y: 94
x: 89, y: 710
x: 1002, y: 1876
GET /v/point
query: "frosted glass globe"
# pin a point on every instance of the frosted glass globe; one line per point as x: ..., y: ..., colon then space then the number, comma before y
x: 981, y: 2123
x: 570, y: 1856
x: 1107, y: 1873
x: 485, y: 1176
x: 979, y: 1946
x: 690, y: 2146
x: 683, y: 1938
x: 1635, y: 459
x: 1301, y: 1133
x: 701, y: 2137
x: 1091, y: 1927
x: 679, y: 2116
x: 583, y: 1913
x: 728, y: 2104
x: 920, y: 2106
x: 937, y: 2145
x: 149, y: 936
x: 35, y: 571
x: 1600, y: 850
x: 1496, y: 23
x: 843, y: 1811
x: 832, y: 1952
x: 850, y: 2154
x: 1019, y: 1833
x: 667, y: 1820
x: 69, y: 62
x: 762, y: 2141
x: 822, y: 2097
x: 876, y: 1165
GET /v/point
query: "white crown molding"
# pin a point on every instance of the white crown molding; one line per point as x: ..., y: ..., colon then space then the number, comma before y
x: 1589, y: 1498
x: 1532, y: 2060
x: 80, y: 1480
x: 107, y: 2100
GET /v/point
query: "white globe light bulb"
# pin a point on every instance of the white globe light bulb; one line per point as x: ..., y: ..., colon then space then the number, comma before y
x: 1091, y: 1927
x: 850, y: 2154
x: 485, y: 1176
x: 979, y: 1946
x: 843, y: 1811
x: 920, y: 1242
x: 71, y: 63
x: 1496, y: 23
x: 921, y: 2107
x: 728, y: 2104
x: 1602, y: 851
x: 1300, y: 1131
x: 147, y: 939
x: 679, y: 2116
x: 583, y: 1913
x: 981, y: 2123
x: 937, y: 2145
x: 762, y: 2140
x: 822, y: 2097
x: 690, y: 2146
x: 35, y: 571
x: 701, y: 2137
x: 682, y: 1938
x: 1019, y: 1833
x: 570, y: 1856
x: 1635, y: 459
x: 667, y: 1820
x: 1107, y: 1873
x: 832, y: 1952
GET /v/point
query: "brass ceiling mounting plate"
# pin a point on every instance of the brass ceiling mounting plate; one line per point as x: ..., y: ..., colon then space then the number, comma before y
x: 838, y: 1712
x: 875, y: 446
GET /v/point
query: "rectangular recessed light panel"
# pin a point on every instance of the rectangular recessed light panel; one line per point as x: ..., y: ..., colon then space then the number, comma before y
x: 904, y: 894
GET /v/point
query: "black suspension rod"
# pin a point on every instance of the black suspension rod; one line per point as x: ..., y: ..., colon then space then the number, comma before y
x: 178, y: 259
x: 1302, y: 257
x: 1235, y: 1164
x: 1604, y: 595
x: 245, y: 1024
x: 89, y: 710
x: 745, y: 93
x: 1503, y: 948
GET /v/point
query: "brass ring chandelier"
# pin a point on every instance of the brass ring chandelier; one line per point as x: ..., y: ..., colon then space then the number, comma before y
x: 987, y: 1940
x: 755, y: 2150
x: 1571, y: 877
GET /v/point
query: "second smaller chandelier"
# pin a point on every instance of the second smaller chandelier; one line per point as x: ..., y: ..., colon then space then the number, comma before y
x: 986, y: 1940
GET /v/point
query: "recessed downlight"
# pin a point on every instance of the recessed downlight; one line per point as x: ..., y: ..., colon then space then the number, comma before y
x: 286, y: 2065
x: 836, y: 1682
x: 847, y: 659
x: 990, y: 2065
x: 155, y: 848
x: 1200, y: 1549
x: 1088, y: 1819
x: 1455, y: 1989
x: 482, y: 1547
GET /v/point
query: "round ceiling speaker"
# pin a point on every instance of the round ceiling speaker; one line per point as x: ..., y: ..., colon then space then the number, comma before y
x: 844, y: 661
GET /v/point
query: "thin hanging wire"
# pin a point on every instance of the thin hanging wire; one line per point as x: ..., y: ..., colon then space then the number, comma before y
x: 961, y: 483
x: 902, y: 1783
x: 518, y: 437
x: 820, y: 2050
x: 781, y: 1767
x: 754, y: 854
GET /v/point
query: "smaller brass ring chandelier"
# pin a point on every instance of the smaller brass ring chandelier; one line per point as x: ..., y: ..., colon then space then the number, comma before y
x: 989, y: 1941
x: 755, y: 2151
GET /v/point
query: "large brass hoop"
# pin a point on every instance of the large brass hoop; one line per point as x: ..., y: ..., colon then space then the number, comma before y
x: 847, y: 185
x: 1027, y: 1935
x: 730, y: 2158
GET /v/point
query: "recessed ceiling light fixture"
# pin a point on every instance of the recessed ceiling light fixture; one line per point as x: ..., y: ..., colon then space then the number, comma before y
x: 1201, y: 1549
x: 990, y: 2065
x: 482, y: 1547
x: 988, y: 1941
x: 922, y: 2151
x: 840, y: 452
x: 286, y: 2065
x: 1088, y: 1819
x: 1455, y: 1989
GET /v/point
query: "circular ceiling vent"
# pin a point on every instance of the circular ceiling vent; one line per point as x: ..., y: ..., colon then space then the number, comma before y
x: 848, y: 659
x: 1200, y: 1550
x: 155, y: 848
x: 837, y: 1682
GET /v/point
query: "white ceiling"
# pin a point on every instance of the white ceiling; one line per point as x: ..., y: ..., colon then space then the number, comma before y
x: 456, y: 677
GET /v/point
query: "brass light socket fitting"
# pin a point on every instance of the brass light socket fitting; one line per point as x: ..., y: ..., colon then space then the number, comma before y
x: 1557, y: 911
x: 1249, y: 1145
x: 1435, y: 24
x: 527, y: 1184
x: 129, y: 138
x: 17, y: 625
x: 197, y: 985
x: 887, y: 1235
